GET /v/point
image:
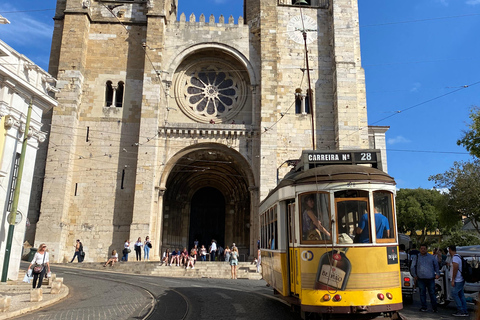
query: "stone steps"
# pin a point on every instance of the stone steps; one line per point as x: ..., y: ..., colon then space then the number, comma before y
x: 203, y: 269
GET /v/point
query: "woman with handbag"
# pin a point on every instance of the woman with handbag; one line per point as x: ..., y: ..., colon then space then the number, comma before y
x: 39, y: 262
x: 146, y: 249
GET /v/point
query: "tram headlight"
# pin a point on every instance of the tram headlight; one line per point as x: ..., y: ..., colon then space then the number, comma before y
x: 326, y: 297
x: 389, y: 296
x: 380, y: 296
x: 337, y: 297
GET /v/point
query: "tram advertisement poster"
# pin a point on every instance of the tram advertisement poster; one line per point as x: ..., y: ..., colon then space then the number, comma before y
x: 333, y: 270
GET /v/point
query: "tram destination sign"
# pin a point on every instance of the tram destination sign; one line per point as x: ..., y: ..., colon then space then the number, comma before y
x: 314, y: 158
x: 342, y: 157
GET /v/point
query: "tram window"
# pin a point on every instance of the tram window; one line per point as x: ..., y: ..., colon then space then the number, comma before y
x: 315, y: 217
x: 352, y: 220
x: 384, y: 223
x: 291, y: 219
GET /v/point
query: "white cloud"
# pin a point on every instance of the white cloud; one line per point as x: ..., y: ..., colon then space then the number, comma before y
x: 473, y: 2
x: 415, y: 87
x: 398, y: 139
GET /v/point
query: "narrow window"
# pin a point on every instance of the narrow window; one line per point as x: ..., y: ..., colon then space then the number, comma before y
x: 108, y: 94
x: 88, y: 133
x: 119, y: 95
x: 76, y: 188
x: 123, y: 178
x: 299, y: 100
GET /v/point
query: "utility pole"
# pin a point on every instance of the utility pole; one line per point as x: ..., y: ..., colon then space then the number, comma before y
x: 16, y: 196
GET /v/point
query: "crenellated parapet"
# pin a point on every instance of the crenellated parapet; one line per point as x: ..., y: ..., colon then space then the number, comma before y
x: 212, y: 21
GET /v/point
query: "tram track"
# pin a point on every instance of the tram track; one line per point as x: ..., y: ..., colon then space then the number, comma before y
x: 153, y: 306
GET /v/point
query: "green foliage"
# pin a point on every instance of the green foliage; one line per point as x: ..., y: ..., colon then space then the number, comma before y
x: 463, y: 182
x: 461, y: 238
x: 471, y: 137
x: 420, y: 210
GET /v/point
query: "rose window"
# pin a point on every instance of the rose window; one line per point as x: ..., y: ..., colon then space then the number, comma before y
x: 211, y: 92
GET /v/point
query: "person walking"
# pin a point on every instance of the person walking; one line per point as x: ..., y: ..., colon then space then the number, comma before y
x: 425, y: 270
x: 78, y: 251
x: 458, y: 283
x: 234, y: 262
x: 227, y: 254
x: 138, y: 249
x: 39, y: 262
x: 147, y: 245
x: 213, y: 250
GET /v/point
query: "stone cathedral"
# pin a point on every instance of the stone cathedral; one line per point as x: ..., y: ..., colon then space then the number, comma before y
x: 176, y: 126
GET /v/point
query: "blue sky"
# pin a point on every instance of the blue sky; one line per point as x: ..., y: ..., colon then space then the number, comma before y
x: 418, y: 55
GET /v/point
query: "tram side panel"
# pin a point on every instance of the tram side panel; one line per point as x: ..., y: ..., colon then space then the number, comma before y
x: 274, y: 268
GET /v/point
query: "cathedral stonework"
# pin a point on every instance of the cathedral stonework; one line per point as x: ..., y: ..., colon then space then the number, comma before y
x: 177, y: 129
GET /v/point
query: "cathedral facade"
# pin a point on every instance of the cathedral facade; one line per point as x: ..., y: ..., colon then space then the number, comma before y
x: 176, y: 127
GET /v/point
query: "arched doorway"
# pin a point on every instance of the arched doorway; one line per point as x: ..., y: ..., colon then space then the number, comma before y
x: 207, y: 217
x: 207, y: 196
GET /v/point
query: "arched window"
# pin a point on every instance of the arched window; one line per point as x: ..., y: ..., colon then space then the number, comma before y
x: 108, y: 94
x: 119, y: 95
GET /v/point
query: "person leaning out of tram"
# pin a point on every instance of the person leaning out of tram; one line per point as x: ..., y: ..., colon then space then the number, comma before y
x: 311, y: 224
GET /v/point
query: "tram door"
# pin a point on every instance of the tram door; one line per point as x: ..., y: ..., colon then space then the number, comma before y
x: 292, y: 253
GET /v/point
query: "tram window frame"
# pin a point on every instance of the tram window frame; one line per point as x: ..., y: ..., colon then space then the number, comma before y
x: 291, y: 222
x: 354, y: 238
x: 326, y: 216
x: 386, y: 205
x: 269, y: 229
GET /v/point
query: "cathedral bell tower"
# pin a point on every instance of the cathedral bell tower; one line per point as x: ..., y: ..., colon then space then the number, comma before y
x: 336, y: 78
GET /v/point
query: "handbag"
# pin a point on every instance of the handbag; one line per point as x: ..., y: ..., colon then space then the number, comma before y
x: 39, y: 268
x: 149, y: 245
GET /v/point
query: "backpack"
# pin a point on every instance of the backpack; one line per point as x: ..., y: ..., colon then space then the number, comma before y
x: 469, y: 273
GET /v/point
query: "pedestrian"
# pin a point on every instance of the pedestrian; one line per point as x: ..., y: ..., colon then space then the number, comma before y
x: 234, y: 262
x: 220, y: 252
x: 213, y: 250
x: 227, y: 254
x: 203, y: 253
x: 126, y: 250
x: 138, y: 249
x: 195, y: 243
x: 39, y: 262
x: 146, y: 248
x: 425, y: 270
x: 113, y: 258
x: 78, y: 251
x: 458, y: 283
x: 259, y: 259
x: 184, y: 257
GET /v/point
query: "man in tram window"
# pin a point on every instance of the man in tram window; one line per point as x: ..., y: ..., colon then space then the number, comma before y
x: 312, y: 228
x: 382, y: 227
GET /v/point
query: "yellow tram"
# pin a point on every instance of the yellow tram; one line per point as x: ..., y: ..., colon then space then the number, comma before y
x: 328, y: 236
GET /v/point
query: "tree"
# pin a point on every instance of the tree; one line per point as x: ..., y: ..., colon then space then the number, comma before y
x: 463, y: 182
x: 471, y: 137
x: 419, y: 210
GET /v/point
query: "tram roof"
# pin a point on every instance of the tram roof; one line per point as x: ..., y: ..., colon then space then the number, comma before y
x: 336, y: 173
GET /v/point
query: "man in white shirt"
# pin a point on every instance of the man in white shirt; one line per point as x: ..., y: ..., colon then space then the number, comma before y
x: 213, y: 250
x: 458, y: 283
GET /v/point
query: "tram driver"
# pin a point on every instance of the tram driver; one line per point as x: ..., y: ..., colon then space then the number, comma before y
x: 312, y: 227
x: 382, y: 227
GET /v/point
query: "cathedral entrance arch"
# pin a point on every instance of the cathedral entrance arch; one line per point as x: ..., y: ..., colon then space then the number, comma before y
x: 208, y: 196
x: 207, y: 217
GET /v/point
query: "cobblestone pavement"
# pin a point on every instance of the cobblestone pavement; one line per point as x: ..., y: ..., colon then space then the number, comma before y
x: 93, y: 296
x: 99, y: 295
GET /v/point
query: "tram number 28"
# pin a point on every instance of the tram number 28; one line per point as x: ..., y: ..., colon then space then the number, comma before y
x: 366, y: 156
